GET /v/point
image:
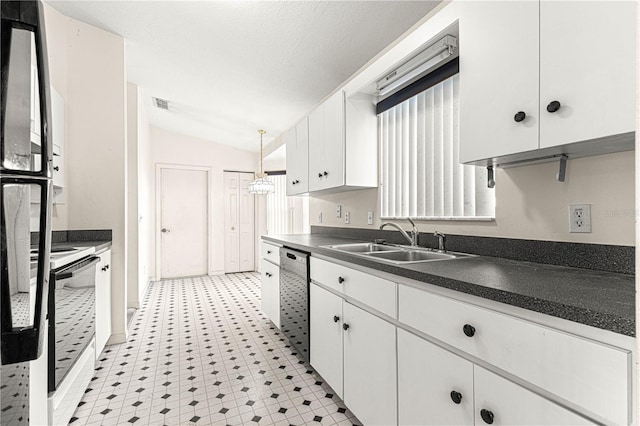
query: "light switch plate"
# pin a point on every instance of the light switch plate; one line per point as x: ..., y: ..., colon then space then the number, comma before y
x: 347, y: 217
x: 580, y: 218
x: 338, y: 210
x: 369, y: 218
x: 320, y: 217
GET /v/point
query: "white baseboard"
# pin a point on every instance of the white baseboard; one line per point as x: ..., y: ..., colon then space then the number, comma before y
x: 218, y: 272
x: 117, y: 339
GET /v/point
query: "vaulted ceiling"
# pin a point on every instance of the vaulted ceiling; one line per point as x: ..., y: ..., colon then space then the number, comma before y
x: 228, y: 68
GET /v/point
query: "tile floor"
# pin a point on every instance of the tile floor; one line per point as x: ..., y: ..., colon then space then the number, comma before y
x: 202, y: 352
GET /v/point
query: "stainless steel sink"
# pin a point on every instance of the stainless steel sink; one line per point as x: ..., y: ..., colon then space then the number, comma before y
x: 395, y: 253
x: 411, y: 256
x: 363, y: 247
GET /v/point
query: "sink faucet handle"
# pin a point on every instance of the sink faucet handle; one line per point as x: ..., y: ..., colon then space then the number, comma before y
x: 411, y: 222
x: 441, y: 240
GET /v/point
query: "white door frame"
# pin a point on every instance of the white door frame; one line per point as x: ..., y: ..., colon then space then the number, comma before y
x: 207, y: 170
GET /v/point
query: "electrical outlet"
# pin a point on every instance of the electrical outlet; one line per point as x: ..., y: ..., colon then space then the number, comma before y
x: 320, y: 217
x: 369, y: 218
x: 580, y: 218
x: 338, y: 210
x: 347, y: 217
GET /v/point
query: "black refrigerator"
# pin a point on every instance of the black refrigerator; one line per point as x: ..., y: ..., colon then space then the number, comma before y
x: 25, y: 196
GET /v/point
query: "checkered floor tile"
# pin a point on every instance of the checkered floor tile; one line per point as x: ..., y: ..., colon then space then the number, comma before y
x: 201, y: 351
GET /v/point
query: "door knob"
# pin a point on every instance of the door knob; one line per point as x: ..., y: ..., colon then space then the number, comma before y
x: 165, y: 230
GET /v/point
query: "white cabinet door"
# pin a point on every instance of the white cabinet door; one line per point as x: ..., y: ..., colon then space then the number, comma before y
x: 435, y: 387
x: 369, y: 366
x: 587, y: 63
x: 498, y: 78
x: 326, y: 336
x: 297, y: 142
x: 316, y: 148
x: 334, y: 142
x: 505, y: 403
x: 103, y: 301
x: 270, y: 291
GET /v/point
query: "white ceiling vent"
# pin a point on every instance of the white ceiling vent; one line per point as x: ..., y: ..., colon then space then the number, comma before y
x: 161, y: 103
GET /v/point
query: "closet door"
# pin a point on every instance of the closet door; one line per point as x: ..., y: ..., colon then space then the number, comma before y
x: 239, y: 223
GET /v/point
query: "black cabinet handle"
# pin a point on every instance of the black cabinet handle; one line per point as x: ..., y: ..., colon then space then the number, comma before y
x: 456, y: 397
x: 268, y: 251
x: 345, y: 326
x: 297, y: 181
x: 336, y: 318
x: 319, y: 175
x: 553, y: 106
x: 520, y: 116
x: 487, y: 416
x: 104, y: 268
x: 469, y: 330
x: 293, y: 182
x: 267, y: 274
x: 107, y: 266
x: 340, y: 280
x: 56, y: 168
x: 325, y: 173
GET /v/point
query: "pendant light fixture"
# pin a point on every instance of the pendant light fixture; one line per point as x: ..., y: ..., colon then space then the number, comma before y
x: 261, y: 185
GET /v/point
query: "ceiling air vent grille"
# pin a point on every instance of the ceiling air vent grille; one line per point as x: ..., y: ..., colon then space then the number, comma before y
x: 161, y: 103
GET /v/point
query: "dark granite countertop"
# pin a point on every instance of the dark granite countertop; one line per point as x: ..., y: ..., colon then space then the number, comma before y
x: 100, y: 245
x: 604, y: 300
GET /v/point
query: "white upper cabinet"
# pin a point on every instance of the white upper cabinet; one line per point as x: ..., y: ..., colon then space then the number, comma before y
x: 297, y: 142
x: 498, y: 78
x: 343, y: 144
x: 537, y: 76
x: 587, y: 64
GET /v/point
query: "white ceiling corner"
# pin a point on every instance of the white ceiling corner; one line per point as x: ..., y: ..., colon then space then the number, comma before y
x: 228, y: 68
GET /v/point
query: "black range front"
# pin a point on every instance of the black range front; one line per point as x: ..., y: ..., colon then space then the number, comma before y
x: 72, y: 295
x: 294, y: 298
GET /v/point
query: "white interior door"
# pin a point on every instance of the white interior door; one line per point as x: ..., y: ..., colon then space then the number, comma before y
x: 239, y: 223
x: 183, y: 222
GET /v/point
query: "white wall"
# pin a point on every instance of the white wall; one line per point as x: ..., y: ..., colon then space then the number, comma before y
x: 133, y: 300
x: 145, y: 211
x: 87, y: 67
x: 173, y: 148
x: 530, y: 203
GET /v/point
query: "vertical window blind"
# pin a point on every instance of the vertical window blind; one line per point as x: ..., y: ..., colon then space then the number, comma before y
x: 286, y: 215
x: 420, y: 174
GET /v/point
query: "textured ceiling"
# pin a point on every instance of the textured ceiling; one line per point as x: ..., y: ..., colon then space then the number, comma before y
x: 229, y: 68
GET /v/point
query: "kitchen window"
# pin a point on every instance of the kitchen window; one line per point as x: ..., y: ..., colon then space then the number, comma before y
x: 420, y: 174
x: 285, y: 215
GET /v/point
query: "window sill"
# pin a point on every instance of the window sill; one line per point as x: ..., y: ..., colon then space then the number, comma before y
x: 445, y: 218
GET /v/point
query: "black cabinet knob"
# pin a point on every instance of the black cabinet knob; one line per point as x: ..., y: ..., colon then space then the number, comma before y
x: 520, y: 116
x: 107, y: 266
x: 336, y: 318
x: 325, y: 173
x: 56, y: 168
x: 553, y: 106
x: 268, y: 274
x: 487, y: 416
x: 345, y: 326
x: 469, y: 330
x: 320, y: 175
x: 340, y: 280
x: 456, y: 397
x: 293, y: 182
x: 104, y: 268
x: 268, y: 251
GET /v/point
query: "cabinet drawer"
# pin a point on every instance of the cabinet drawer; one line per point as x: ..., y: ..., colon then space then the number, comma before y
x: 373, y: 291
x: 271, y: 252
x: 587, y: 373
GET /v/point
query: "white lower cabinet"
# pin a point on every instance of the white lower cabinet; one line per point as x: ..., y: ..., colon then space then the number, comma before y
x: 103, y: 301
x: 435, y: 387
x: 369, y: 366
x: 355, y: 352
x: 501, y: 402
x: 270, y: 290
x: 325, y: 317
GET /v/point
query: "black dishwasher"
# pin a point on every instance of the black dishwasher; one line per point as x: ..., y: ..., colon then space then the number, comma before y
x: 294, y: 298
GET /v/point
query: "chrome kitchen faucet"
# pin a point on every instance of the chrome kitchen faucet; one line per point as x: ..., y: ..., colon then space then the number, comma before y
x: 413, y: 239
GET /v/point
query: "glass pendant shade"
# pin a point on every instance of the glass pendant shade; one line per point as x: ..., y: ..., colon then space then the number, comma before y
x: 261, y: 185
